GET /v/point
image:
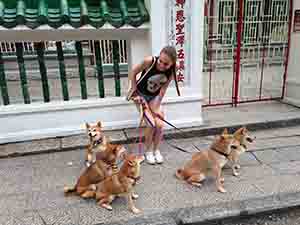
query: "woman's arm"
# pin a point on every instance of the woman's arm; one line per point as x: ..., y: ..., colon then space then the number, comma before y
x: 138, y: 68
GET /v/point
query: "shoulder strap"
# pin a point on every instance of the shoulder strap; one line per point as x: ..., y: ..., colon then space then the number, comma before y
x: 147, y: 71
x: 176, y: 82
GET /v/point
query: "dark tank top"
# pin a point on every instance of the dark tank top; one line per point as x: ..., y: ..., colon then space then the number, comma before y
x: 152, y: 79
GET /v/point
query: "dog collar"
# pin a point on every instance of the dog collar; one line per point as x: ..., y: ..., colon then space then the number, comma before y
x: 98, y: 142
x: 221, y: 153
x: 135, y: 179
x: 244, y: 146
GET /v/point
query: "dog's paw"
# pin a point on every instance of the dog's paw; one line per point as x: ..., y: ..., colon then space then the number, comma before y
x: 237, y: 167
x: 135, y: 210
x: 134, y: 196
x: 106, y: 206
x: 235, y: 173
x: 222, y: 190
x: 93, y: 187
x: 196, y: 184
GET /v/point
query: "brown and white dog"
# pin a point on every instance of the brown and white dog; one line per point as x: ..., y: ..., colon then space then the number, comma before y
x: 97, y: 142
x: 120, y: 184
x: 212, y: 159
x: 104, y: 166
x: 246, y: 139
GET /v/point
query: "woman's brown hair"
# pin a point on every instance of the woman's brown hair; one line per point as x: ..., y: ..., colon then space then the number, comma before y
x: 170, y: 51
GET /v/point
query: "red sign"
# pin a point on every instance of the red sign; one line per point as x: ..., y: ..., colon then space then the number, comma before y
x: 180, y: 37
x: 297, y: 21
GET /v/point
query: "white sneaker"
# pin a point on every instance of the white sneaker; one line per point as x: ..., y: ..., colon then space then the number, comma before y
x: 149, y: 156
x: 158, y: 157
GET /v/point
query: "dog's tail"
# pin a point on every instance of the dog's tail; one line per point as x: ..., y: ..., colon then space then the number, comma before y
x: 179, y: 174
x: 69, y: 190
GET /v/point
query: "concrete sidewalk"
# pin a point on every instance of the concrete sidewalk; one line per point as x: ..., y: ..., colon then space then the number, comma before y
x: 255, y: 116
x: 32, y: 186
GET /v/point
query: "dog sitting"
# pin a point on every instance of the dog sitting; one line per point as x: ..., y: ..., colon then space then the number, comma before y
x: 120, y: 184
x: 244, y: 137
x: 212, y: 159
x: 98, y: 142
x: 104, y: 166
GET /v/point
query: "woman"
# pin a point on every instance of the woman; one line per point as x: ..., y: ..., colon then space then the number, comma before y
x: 149, y: 90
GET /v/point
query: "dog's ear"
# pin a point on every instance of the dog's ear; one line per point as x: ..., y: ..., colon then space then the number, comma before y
x: 222, y: 137
x: 225, y: 131
x: 87, y: 125
x: 99, y: 124
x: 131, y: 163
x: 244, y: 129
x: 239, y: 131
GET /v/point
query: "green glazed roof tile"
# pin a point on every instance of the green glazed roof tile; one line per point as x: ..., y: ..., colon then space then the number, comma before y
x: 55, y: 13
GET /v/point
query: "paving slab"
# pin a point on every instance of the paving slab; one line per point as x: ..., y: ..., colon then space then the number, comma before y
x: 35, y: 146
x: 32, y: 188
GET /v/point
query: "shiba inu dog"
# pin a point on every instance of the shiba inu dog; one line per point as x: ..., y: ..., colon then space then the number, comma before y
x: 244, y: 137
x: 212, y: 159
x: 120, y: 184
x: 97, y: 142
x: 104, y: 166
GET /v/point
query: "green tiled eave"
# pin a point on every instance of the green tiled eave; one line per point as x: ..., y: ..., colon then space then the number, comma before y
x: 55, y: 13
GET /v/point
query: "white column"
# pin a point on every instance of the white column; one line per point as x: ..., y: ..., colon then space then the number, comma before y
x: 196, y: 43
x: 183, y: 111
x: 158, y: 31
x: 137, y: 49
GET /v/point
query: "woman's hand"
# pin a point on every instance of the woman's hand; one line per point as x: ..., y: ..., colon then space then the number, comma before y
x: 140, y: 100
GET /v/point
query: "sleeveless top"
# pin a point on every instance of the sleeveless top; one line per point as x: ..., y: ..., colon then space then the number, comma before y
x: 152, y: 79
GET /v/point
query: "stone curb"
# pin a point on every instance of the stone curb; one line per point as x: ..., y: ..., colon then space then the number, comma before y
x: 211, y: 214
x: 128, y: 136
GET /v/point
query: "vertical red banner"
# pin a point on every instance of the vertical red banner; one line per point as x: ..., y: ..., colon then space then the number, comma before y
x: 180, y: 38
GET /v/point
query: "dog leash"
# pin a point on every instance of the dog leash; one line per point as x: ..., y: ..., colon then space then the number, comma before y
x: 176, y: 128
x: 143, y: 116
x: 170, y: 124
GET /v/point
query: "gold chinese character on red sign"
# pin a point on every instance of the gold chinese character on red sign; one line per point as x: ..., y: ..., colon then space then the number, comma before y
x: 180, y: 16
x: 180, y: 3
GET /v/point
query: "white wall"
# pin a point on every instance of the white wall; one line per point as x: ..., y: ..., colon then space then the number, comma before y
x: 39, y: 120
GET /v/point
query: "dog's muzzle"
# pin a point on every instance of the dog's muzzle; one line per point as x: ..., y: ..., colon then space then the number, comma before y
x: 250, y: 140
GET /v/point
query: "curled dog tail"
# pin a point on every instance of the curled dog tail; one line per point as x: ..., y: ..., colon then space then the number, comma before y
x: 179, y: 174
x: 69, y: 190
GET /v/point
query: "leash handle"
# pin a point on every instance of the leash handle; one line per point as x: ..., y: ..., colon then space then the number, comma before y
x: 141, y: 129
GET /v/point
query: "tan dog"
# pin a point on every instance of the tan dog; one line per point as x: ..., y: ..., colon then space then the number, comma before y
x: 214, y: 158
x: 103, y: 167
x: 98, y: 142
x: 244, y: 137
x: 120, y: 184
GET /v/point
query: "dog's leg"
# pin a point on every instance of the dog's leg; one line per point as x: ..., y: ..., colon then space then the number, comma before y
x: 196, y: 179
x: 88, y: 156
x: 101, y: 174
x: 234, y: 164
x: 131, y: 205
x: 235, y: 168
x: 104, y: 202
x: 80, y: 190
x: 88, y: 194
x: 217, y: 173
x: 134, y: 196
x: 89, y: 160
